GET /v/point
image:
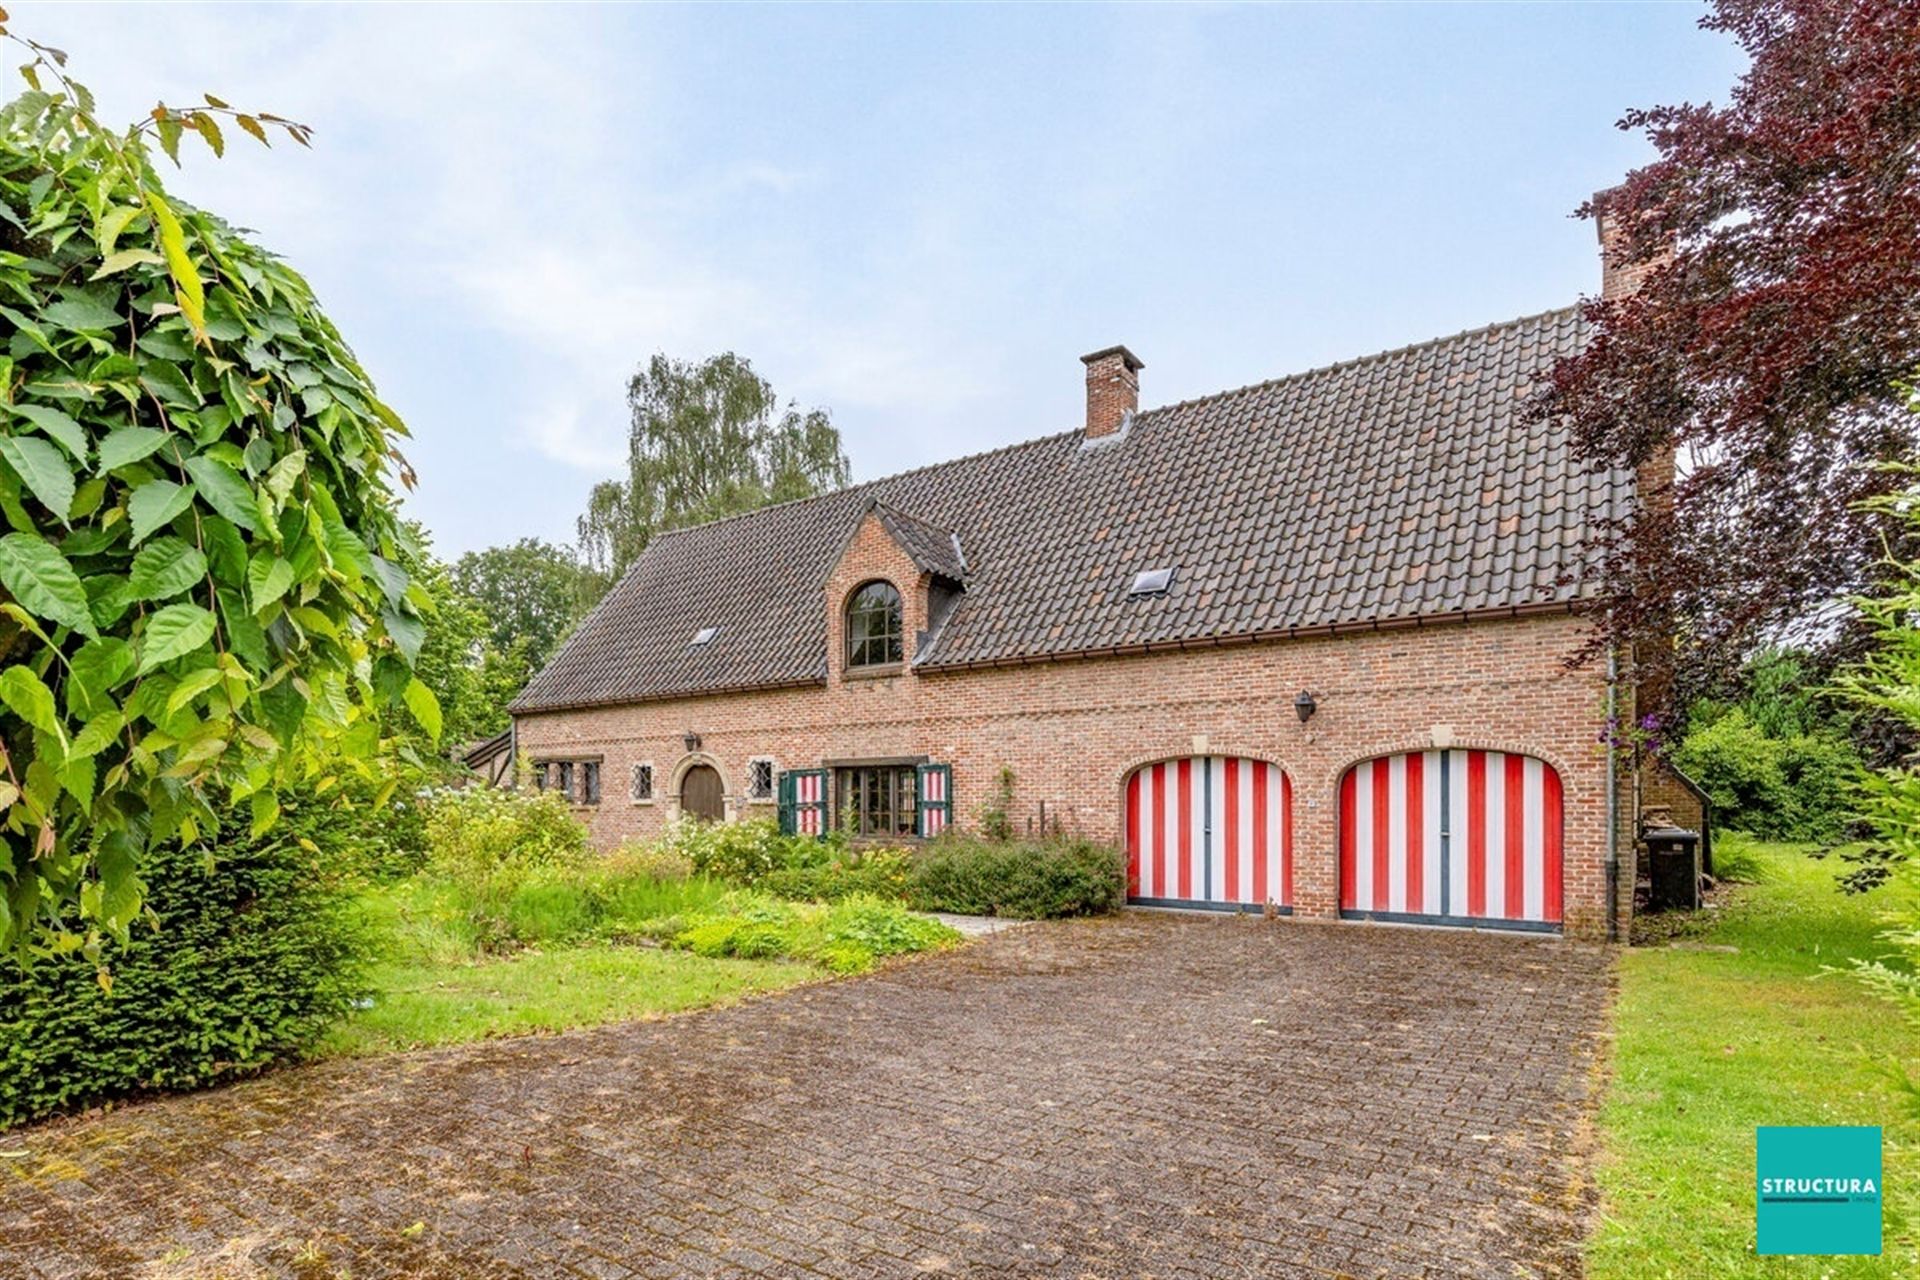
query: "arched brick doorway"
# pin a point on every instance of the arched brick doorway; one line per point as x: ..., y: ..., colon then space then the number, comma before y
x: 1213, y: 832
x: 1460, y: 836
x: 701, y: 795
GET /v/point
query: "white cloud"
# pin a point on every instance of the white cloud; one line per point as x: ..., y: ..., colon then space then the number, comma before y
x: 916, y: 218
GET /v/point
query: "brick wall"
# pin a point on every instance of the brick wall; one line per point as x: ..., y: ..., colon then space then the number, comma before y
x: 1659, y: 788
x: 1071, y: 731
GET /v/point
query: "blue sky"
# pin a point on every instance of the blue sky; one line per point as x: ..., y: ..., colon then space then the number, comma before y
x: 917, y: 217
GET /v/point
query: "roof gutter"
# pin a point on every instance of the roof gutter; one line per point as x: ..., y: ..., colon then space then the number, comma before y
x: 631, y: 699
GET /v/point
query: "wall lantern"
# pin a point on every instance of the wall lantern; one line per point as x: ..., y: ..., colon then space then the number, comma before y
x: 1304, y: 706
x: 692, y: 741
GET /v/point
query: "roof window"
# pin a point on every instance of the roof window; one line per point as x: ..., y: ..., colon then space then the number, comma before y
x: 1151, y: 582
x: 704, y: 637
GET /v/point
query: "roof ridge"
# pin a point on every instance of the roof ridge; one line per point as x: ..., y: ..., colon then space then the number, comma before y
x: 1264, y: 383
x: 857, y: 486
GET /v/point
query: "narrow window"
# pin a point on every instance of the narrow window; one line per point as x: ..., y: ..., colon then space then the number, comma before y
x: 590, y: 782
x: 564, y: 784
x: 760, y: 778
x: 640, y: 785
x: 873, y: 626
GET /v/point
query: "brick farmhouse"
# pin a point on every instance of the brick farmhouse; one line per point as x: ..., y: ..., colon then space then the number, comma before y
x: 1298, y: 647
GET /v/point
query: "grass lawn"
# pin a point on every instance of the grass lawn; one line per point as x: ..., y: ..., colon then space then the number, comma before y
x: 1712, y: 1042
x: 432, y: 987
x: 447, y: 1002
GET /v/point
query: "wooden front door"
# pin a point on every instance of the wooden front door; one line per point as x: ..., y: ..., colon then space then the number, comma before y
x: 700, y: 794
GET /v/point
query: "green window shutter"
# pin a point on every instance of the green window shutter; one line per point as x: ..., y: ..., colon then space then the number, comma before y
x: 933, y: 799
x: 784, y: 790
x: 803, y: 802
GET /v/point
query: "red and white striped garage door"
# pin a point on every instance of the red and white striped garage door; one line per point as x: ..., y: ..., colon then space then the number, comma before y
x: 1452, y: 837
x: 1210, y: 831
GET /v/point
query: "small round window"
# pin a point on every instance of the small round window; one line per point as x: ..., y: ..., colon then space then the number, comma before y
x: 873, y: 626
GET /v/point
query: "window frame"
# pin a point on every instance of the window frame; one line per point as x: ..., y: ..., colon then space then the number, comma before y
x: 1148, y: 583
x: 581, y: 779
x: 861, y: 789
x: 772, y: 793
x: 856, y: 653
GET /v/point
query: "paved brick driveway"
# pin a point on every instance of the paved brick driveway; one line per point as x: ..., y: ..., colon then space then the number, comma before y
x: 1147, y: 1096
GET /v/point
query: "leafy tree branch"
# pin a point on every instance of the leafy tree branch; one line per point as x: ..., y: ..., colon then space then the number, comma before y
x: 203, y: 595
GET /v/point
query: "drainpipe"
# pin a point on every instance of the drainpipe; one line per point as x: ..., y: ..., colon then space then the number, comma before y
x: 1613, y: 800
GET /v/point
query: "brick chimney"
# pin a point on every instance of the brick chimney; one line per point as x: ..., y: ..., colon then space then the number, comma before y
x: 1113, y: 390
x: 1618, y: 276
x: 1653, y: 479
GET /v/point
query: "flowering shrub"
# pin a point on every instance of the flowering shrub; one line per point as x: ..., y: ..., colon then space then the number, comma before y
x: 658, y: 859
x: 479, y: 829
x: 488, y: 843
x: 742, y: 852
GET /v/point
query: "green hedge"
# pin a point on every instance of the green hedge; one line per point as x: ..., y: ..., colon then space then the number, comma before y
x: 256, y: 953
x: 1033, y: 881
x: 877, y: 873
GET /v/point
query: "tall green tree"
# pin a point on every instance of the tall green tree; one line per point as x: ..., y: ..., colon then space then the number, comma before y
x: 531, y: 592
x: 471, y: 674
x: 707, y: 440
x: 202, y: 595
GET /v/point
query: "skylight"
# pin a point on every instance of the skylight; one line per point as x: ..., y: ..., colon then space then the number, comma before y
x: 1151, y: 582
x: 704, y: 636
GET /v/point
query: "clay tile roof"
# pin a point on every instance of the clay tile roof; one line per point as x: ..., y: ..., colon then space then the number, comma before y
x: 933, y: 548
x: 1399, y: 486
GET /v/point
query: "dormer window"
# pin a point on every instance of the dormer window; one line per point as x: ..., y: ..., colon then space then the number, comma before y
x: 1151, y: 582
x: 873, y: 626
x: 704, y: 637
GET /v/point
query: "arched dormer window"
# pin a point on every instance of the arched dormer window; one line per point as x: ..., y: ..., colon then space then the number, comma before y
x: 873, y: 626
